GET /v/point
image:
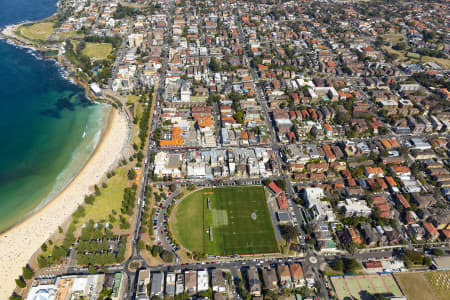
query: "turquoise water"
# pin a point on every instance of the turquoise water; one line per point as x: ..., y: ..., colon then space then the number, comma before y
x: 48, y: 128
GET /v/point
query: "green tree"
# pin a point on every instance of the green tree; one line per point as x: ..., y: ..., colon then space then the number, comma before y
x: 140, y: 245
x: 281, y: 184
x: 27, y: 272
x: 97, y: 190
x: 167, y: 256
x: 91, y: 269
x: 131, y: 174
x: 337, y: 265
x: 20, y: 283
x: 437, y: 252
x: 427, y: 261
x: 351, y: 266
x: 156, y: 250
x: 89, y: 199
x: 289, y: 232
x: 42, y: 261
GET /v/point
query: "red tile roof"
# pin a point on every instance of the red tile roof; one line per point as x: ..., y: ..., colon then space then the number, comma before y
x: 282, y: 202
x: 274, y: 188
x: 429, y: 227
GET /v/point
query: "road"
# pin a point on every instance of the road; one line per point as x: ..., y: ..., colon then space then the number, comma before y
x: 135, y: 237
x: 273, y: 137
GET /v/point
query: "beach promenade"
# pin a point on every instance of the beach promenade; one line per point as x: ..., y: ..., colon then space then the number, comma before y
x: 18, y: 244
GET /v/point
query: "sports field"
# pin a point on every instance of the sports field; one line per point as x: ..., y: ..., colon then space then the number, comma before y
x: 425, y: 285
x: 238, y: 217
x: 365, y: 286
x: 440, y: 282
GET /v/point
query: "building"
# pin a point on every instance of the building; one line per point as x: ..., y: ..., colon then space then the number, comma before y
x: 75, y: 287
x: 274, y: 188
x: 285, y: 276
x: 179, y: 284
x: 372, y: 172
x: 431, y: 230
x: 283, y: 217
x: 143, y: 282
x: 185, y: 92
x: 423, y: 201
x: 270, y: 279
x: 319, y: 210
x: 190, y: 282
x: 202, y: 281
x: 282, y: 202
x: 254, y: 283
x: 441, y: 262
x: 170, y: 284
x: 157, y: 286
x: 355, y: 208
x: 298, y: 279
x: 218, y: 281
x: 96, y: 89
x: 313, y: 194
x: 43, y: 291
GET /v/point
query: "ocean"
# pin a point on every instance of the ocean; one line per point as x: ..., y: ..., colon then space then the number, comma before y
x: 48, y: 128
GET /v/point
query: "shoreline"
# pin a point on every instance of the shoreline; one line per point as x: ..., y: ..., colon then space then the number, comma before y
x: 19, y: 243
x: 46, y: 201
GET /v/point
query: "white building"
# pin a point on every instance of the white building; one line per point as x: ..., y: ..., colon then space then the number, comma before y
x: 202, y: 281
x: 170, y: 284
x: 355, y: 208
x: 47, y: 292
x: 185, y: 92
x: 313, y: 194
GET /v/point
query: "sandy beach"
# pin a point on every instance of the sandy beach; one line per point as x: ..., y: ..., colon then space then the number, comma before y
x: 18, y: 244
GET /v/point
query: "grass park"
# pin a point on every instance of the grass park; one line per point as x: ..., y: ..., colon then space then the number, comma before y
x: 37, y: 31
x: 110, y: 198
x: 97, y: 50
x: 425, y: 285
x: 238, y: 218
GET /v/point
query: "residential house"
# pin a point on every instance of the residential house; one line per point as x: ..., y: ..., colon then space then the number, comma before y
x: 270, y: 279
x: 285, y: 276
x: 254, y: 283
x: 298, y: 279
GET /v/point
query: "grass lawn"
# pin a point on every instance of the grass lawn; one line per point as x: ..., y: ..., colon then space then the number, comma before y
x: 239, y: 218
x: 133, y: 5
x: 97, y: 50
x: 403, y: 59
x: 415, y: 286
x: 133, y: 99
x: 67, y: 35
x: 393, y: 38
x: 438, y: 280
x: 37, y: 31
x: 442, y: 61
x: 111, y: 197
